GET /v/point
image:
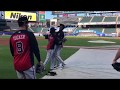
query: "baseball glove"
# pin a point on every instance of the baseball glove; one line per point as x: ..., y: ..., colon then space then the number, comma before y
x: 116, y: 66
x: 64, y: 40
x: 39, y: 68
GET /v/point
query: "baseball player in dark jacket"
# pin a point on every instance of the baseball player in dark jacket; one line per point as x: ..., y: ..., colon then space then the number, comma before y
x: 59, y: 46
x: 23, y: 45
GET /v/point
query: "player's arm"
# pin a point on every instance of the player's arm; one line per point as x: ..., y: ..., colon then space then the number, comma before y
x: 62, y: 35
x: 46, y: 36
x: 11, y: 48
x: 34, y: 46
x: 117, y: 56
x: 61, y: 38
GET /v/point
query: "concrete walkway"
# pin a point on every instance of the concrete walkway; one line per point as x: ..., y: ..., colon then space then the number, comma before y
x: 88, y: 64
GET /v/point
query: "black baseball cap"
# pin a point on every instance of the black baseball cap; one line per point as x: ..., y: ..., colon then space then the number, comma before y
x: 62, y: 25
x: 52, y: 28
x: 23, y: 19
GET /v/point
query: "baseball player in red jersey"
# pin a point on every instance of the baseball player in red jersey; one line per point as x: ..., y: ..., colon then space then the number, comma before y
x: 50, y: 48
x: 23, y: 45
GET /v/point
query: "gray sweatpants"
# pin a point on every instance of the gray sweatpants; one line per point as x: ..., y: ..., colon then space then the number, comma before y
x: 27, y: 74
x: 49, y: 57
x: 58, y: 59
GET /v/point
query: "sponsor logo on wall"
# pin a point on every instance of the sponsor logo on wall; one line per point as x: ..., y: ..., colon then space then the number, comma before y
x: 14, y: 15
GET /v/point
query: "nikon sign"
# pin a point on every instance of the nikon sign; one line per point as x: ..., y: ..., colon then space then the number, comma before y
x: 14, y: 15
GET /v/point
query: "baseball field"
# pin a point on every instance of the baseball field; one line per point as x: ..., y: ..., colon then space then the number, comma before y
x: 6, y: 60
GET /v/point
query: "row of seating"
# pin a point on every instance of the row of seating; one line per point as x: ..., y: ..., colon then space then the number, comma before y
x: 12, y: 25
x: 99, y: 19
x: 67, y: 20
x: 98, y: 30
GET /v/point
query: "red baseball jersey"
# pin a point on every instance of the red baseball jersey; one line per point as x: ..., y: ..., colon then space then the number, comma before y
x: 51, y: 42
x: 23, y: 45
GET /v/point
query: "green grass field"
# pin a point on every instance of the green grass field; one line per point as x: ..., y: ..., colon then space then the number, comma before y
x: 83, y: 41
x: 6, y: 60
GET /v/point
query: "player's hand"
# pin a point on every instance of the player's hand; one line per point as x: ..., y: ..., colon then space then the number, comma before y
x: 41, y: 62
x: 114, y: 61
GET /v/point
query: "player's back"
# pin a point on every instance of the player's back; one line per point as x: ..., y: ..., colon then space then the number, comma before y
x: 20, y: 42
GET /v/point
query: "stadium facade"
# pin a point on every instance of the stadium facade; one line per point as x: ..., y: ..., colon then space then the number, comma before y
x: 94, y: 23
x: 91, y: 23
x: 9, y: 25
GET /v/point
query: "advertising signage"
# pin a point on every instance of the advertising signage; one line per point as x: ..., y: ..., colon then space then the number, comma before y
x: 14, y: 15
x: 42, y: 16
